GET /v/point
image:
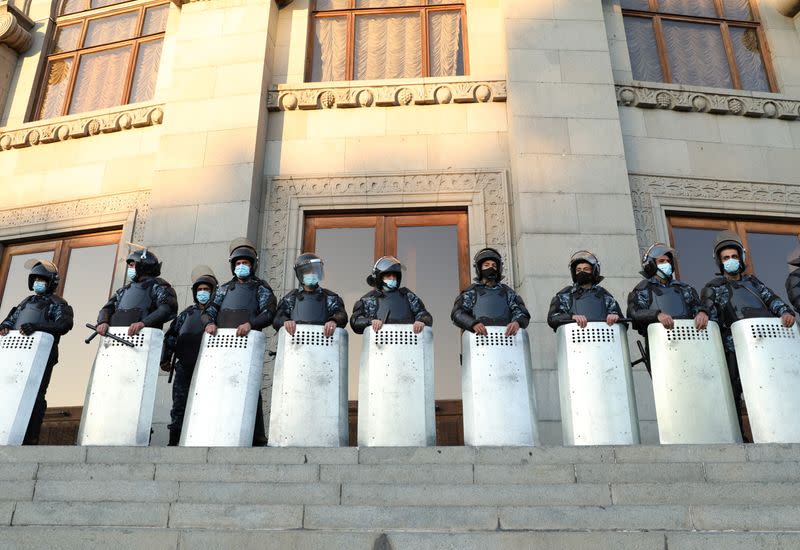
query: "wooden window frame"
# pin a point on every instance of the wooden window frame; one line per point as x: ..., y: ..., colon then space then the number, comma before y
x: 62, y: 247
x: 386, y: 224
x: 83, y: 18
x: 352, y: 12
x: 740, y: 226
x: 724, y: 24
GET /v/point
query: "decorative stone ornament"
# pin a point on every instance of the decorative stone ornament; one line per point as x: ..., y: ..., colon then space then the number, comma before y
x: 15, y: 28
x: 789, y: 8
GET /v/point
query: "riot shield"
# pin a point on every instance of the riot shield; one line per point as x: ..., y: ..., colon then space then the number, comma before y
x: 497, y: 389
x: 309, y: 389
x: 23, y: 360
x: 769, y: 365
x: 691, y: 385
x: 122, y: 390
x: 395, y: 388
x: 598, y: 406
x: 223, y: 396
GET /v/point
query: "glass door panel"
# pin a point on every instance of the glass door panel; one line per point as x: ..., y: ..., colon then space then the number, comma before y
x: 769, y: 257
x: 16, y: 280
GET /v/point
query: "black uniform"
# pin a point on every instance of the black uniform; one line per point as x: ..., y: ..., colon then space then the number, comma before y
x: 496, y: 305
x: 46, y: 313
x: 595, y: 303
x: 793, y: 286
x: 316, y: 307
x: 150, y: 300
x: 399, y: 306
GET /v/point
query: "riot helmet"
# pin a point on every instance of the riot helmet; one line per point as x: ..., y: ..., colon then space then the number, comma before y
x: 649, y: 260
x: 482, y: 256
x: 309, y: 269
x: 794, y: 256
x: 145, y: 261
x: 202, y: 274
x: 243, y: 248
x: 384, y: 265
x: 729, y: 239
x: 584, y: 256
x: 42, y: 269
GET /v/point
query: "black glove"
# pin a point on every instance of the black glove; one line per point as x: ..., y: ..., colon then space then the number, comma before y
x: 28, y: 328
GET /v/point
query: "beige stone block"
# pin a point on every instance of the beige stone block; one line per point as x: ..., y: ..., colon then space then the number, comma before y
x: 618, y: 254
x: 221, y: 113
x: 547, y: 213
x: 241, y: 78
x: 657, y: 156
x: 795, y: 131
x: 318, y: 156
x: 287, y: 125
x: 620, y: 61
x: 784, y: 43
x: 783, y: 166
x: 71, y: 182
x: 605, y: 214
x: 221, y: 222
x: 762, y: 132
x: 105, y: 146
x: 534, y: 65
x: 23, y: 189
x: 632, y: 121
x: 181, y: 151
x: 490, y: 117
x: 556, y: 35
x: 246, y: 19
x: 175, y: 225
x: 201, y: 52
x: 128, y: 173
x: 570, y: 173
x: 562, y: 99
x: 386, y: 154
x: 342, y: 123
x: 488, y: 62
x: 230, y: 146
x: 595, y: 136
x: 204, y: 184
x: 676, y: 125
x: 586, y: 67
x: 8, y: 162
x: 201, y: 24
x: 586, y: 10
x: 732, y: 162
x: 468, y: 151
x: 280, y: 64
x: 528, y: 9
x: 192, y: 84
x: 427, y: 119
x: 539, y: 135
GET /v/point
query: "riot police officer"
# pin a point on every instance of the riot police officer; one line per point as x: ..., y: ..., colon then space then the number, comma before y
x: 43, y: 311
x: 487, y: 301
x: 793, y: 283
x: 585, y: 300
x: 310, y: 304
x: 734, y: 296
x: 660, y: 298
x: 389, y: 303
x: 182, y: 345
x: 245, y: 303
x: 147, y: 301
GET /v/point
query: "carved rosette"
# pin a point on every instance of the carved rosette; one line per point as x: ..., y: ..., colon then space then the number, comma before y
x: 39, y: 133
x: 700, y: 102
x: 288, y: 98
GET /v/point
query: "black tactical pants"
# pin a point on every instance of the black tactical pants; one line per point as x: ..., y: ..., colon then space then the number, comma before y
x: 736, y: 386
x: 180, y: 394
x: 40, y: 405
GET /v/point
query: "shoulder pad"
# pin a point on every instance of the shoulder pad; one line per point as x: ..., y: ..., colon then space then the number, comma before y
x: 716, y: 281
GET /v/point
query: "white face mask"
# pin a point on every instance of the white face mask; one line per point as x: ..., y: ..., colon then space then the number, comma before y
x: 39, y: 287
x: 242, y: 271
x: 131, y: 273
x: 310, y: 279
x: 391, y: 284
x: 665, y: 269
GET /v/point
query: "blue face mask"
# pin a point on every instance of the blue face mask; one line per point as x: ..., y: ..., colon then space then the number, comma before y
x: 310, y: 279
x: 391, y: 284
x: 203, y: 296
x: 131, y: 273
x: 242, y: 271
x: 39, y: 287
x: 665, y: 269
x: 731, y: 266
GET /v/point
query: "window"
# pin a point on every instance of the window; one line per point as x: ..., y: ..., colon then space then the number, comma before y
x: 379, y: 39
x: 102, y: 57
x: 86, y: 265
x: 769, y: 246
x: 434, y: 248
x: 705, y: 42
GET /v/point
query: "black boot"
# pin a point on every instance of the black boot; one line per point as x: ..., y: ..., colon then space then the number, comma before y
x: 174, y: 438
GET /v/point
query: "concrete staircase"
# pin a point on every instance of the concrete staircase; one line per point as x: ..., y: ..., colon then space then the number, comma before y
x: 642, y: 497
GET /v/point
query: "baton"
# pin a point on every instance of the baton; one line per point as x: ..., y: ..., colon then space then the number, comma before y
x: 108, y: 335
x: 172, y: 370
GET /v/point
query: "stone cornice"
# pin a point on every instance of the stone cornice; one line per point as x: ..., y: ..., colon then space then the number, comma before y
x: 703, y: 100
x: 15, y: 28
x: 125, y: 117
x: 789, y: 8
x: 382, y: 93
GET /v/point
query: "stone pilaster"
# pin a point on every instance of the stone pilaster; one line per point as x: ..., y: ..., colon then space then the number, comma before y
x: 15, y: 39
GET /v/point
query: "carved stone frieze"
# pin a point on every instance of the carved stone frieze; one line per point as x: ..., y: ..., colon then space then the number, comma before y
x: 744, y: 104
x: 40, y: 132
x: 287, y: 97
x: 486, y: 191
x: 752, y: 197
x: 15, y: 28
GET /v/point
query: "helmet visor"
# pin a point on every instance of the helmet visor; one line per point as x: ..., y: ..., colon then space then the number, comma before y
x: 312, y: 267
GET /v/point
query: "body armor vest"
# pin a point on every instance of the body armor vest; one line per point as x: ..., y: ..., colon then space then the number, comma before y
x: 190, y: 336
x: 134, y: 305
x: 670, y: 300
x: 395, y: 308
x: 746, y: 302
x: 310, y: 308
x: 491, y: 306
x: 239, y: 305
x: 34, y: 311
x: 591, y: 304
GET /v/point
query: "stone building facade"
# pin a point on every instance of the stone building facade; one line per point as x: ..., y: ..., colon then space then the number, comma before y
x: 544, y: 138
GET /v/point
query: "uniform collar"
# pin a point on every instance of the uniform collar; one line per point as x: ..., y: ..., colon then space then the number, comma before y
x: 656, y: 281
